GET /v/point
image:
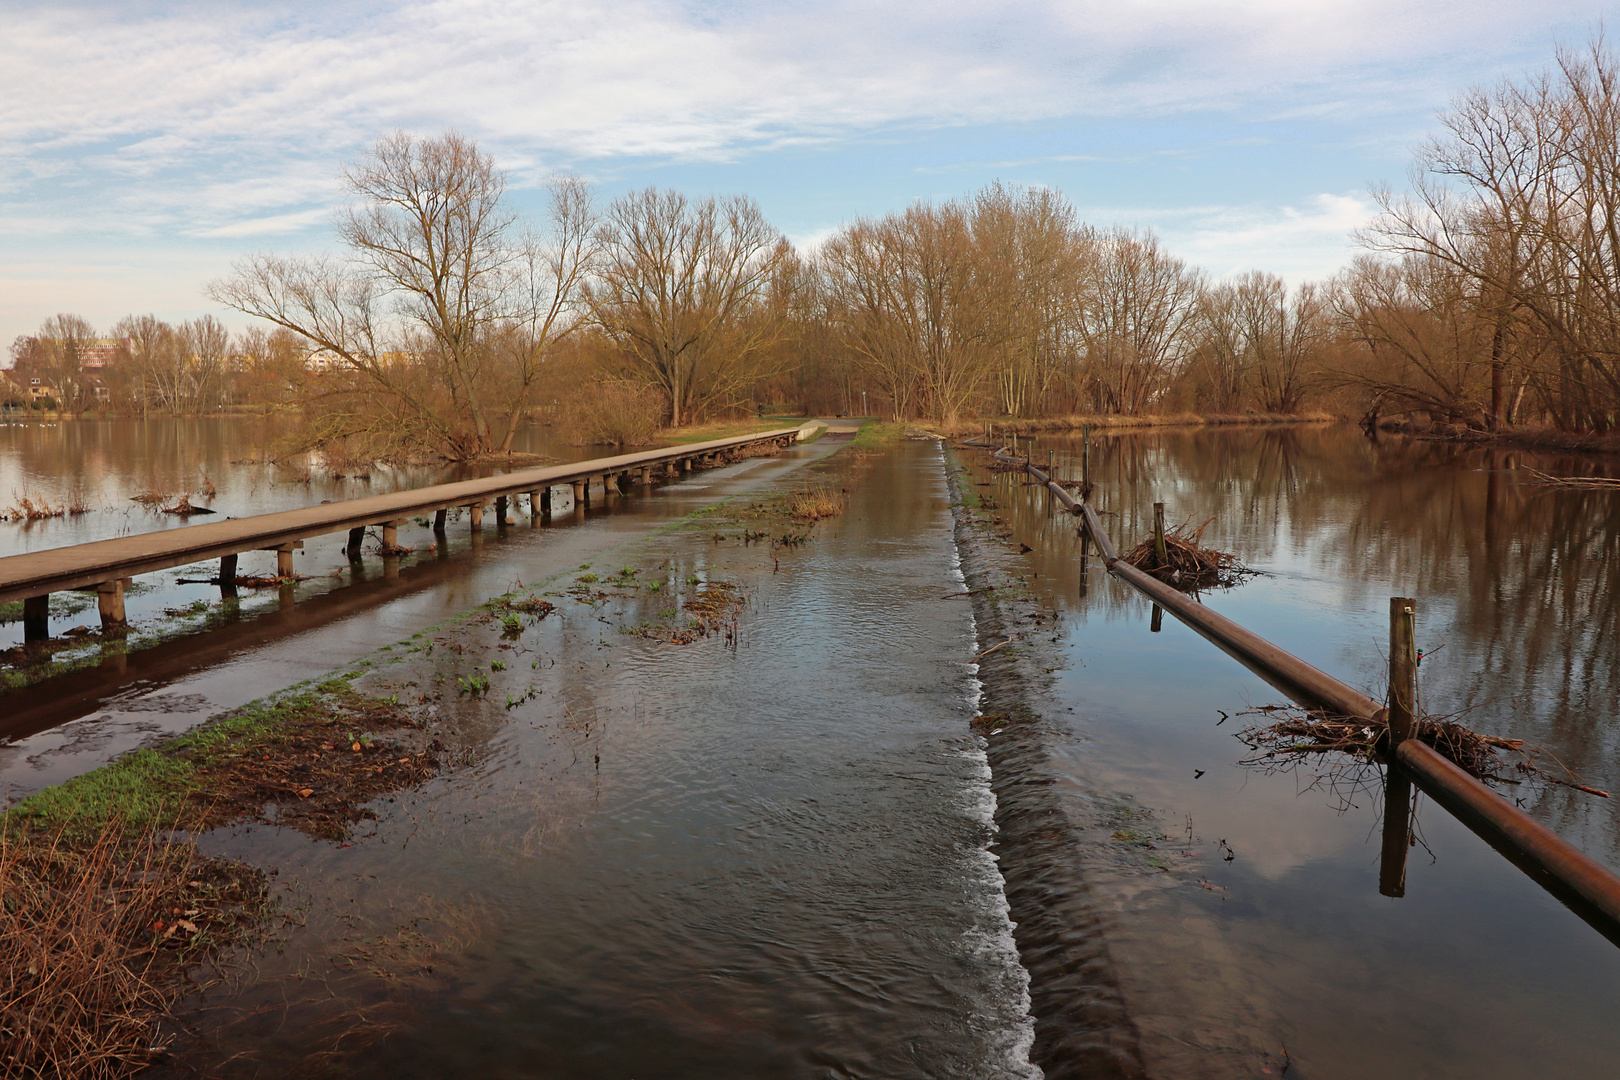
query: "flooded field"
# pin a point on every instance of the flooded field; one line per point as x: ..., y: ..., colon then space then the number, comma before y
x: 785, y: 847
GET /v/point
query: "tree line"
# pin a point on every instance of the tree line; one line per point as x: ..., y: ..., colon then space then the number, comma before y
x: 1487, y: 297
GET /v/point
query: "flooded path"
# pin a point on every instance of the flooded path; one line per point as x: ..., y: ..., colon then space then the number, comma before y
x: 789, y: 848
x: 761, y: 854
x: 216, y: 655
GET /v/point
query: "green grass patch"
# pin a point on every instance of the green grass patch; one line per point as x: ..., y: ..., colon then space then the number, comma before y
x: 175, y: 785
x: 877, y: 435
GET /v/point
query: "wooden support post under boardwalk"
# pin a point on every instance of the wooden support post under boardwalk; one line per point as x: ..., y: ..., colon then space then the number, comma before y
x: 1158, y: 534
x: 227, y: 575
x: 37, y: 617
x: 284, y: 560
x: 356, y: 544
x: 545, y: 502
x: 579, y: 493
x: 500, y: 511
x: 1156, y: 624
x: 438, y: 520
x: 534, y: 504
x: 390, y: 539
x: 110, y: 602
x: 475, y: 513
x: 646, y: 476
x: 1403, y: 700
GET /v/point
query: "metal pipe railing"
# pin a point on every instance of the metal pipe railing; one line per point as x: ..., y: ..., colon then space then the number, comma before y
x: 1589, y: 888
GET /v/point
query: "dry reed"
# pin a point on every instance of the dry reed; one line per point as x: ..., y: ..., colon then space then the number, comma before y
x: 96, y: 941
x: 27, y: 509
x: 813, y: 504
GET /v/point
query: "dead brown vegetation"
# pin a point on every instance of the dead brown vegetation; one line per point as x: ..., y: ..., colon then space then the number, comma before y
x: 1601, y: 483
x: 26, y: 508
x: 98, y: 939
x: 814, y: 504
x: 1187, y: 564
x: 1295, y: 733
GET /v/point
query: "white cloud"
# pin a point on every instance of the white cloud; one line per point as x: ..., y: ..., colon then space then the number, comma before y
x: 226, y: 121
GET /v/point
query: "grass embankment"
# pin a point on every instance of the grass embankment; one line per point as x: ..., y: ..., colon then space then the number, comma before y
x: 109, y: 907
x: 877, y: 435
x: 722, y: 429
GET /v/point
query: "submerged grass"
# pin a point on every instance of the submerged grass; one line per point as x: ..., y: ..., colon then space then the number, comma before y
x: 108, y: 907
x: 298, y: 748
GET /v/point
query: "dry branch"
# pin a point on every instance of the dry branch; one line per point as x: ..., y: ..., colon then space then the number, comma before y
x: 1188, y: 565
x: 1298, y: 733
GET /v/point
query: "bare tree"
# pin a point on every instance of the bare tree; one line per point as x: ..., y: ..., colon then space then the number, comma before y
x: 1283, y: 334
x: 918, y: 310
x: 439, y: 308
x: 681, y: 292
x: 61, y: 342
x: 1521, y: 196
x: 1139, y: 320
x: 552, y: 266
x: 1034, y: 256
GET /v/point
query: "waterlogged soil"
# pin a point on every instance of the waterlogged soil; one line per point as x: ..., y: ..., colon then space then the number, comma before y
x: 707, y: 804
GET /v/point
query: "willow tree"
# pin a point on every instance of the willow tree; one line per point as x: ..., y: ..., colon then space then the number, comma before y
x: 438, y: 307
x: 683, y: 291
x: 1520, y: 195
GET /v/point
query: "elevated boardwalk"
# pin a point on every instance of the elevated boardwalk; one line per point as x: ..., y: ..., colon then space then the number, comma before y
x: 108, y: 565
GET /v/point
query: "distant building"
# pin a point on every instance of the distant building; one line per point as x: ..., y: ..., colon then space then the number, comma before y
x: 321, y: 361
x: 96, y: 354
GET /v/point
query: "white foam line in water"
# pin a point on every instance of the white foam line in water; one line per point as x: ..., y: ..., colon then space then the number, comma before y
x: 993, y: 944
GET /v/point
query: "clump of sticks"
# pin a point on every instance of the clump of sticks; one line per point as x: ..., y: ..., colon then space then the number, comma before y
x: 1294, y: 734
x: 1187, y: 564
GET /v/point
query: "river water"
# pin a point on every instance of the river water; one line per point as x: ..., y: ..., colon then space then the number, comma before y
x: 1254, y: 936
x: 770, y: 858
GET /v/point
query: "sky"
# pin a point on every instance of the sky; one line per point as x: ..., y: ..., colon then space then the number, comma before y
x: 146, y: 146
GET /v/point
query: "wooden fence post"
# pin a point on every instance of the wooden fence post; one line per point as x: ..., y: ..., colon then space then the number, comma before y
x: 1402, y: 670
x: 1159, y: 550
x: 1085, y: 461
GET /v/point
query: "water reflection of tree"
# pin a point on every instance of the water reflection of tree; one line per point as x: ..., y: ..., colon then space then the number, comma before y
x: 1522, y: 583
